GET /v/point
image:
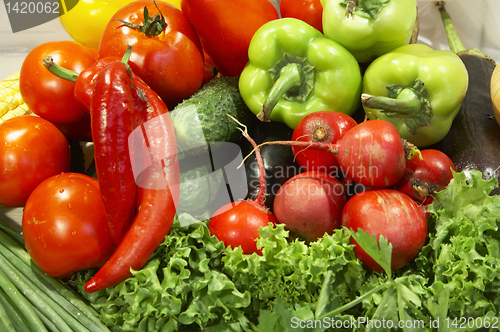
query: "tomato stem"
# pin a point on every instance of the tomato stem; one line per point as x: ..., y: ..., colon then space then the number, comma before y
x: 59, y: 71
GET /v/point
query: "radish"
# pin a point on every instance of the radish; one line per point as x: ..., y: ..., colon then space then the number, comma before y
x: 426, y: 175
x: 310, y: 204
x: 323, y: 127
x: 392, y: 214
x: 238, y: 223
x: 372, y: 153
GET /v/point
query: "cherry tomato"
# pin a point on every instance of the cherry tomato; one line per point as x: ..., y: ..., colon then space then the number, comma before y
x: 168, y: 58
x: 64, y: 225
x: 309, y: 11
x: 47, y: 95
x: 324, y: 127
x: 238, y: 224
x: 32, y: 150
x: 427, y: 175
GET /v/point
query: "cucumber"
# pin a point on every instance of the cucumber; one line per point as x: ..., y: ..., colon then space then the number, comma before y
x: 201, y: 122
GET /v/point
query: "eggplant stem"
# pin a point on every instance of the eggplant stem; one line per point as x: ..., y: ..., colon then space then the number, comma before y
x: 454, y: 40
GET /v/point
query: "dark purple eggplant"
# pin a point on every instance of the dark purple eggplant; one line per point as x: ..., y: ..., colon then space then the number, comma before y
x: 278, y: 160
x: 473, y: 141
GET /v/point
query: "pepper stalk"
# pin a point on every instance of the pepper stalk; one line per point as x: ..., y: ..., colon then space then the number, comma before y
x: 293, y: 80
x: 410, y: 103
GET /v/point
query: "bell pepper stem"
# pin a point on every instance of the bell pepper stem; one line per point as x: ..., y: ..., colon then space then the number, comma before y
x: 405, y: 107
x: 290, y: 76
x: 410, y: 103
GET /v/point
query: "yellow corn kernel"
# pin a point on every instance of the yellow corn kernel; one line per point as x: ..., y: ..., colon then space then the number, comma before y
x: 11, y: 102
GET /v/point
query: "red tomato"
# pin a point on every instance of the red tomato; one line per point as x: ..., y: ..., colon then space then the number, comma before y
x: 32, y: 150
x: 47, y: 95
x: 427, y: 175
x: 170, y: 62
x: 309, y: 11
x: 64, y: 225
x: 389, y: 213
x: 237, y: 224
x: 226, y: 27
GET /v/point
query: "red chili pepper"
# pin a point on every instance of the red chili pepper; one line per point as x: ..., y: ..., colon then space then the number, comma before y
x: 111, y: 120
x: 157, y: 189
x: 84, y: 84
x: 153, y: 159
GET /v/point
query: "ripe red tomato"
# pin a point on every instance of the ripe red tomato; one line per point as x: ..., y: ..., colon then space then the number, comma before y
x: 237, y: 224
x: 170, y: 62
x: 47, y: 95
x: 389, y: 213
x: 309, y: 11
x: 64, y: 225
x: 427, y: 175
x: 32, y: 150
x: 226, y: 27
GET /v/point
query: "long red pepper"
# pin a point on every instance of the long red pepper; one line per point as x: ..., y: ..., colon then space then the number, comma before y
x: 157, y: 186
x: 112, y: 123
x: 153, y: 151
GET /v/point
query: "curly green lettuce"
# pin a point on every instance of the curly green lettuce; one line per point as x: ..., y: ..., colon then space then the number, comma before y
x: 193, y: 283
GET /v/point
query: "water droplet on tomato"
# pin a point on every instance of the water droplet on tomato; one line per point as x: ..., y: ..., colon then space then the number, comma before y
x: 73, y: 233
x: 61, y: 190
x: 69, y: 206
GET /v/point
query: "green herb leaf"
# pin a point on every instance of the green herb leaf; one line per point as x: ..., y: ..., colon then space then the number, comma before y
x: 380, y: 251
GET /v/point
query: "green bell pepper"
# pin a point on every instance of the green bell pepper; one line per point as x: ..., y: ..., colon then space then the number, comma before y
x: 370, y: 28
x: 416, y: 88
x: 293, y: 70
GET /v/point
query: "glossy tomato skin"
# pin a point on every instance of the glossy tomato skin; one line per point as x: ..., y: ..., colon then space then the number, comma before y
x: 237, y: 224
x: 64, y: 225
x: 226, y: 27
x: 389, y: 213
x: 427, y: 175
x: 324, y: 127
x: 32, y: 150
x: 171, y: 63
x: 309, y: 11
x: 47, y: 95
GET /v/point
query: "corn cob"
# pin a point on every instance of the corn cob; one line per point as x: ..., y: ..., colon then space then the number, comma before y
x: 11, y: 102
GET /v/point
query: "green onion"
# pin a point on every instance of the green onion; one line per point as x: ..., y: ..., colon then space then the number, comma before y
x: 22, y: 304
x: 12, y: 312
x: 84, y: 313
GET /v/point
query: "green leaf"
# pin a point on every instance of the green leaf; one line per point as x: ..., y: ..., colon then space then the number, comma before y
x: 386, y: 311
x: 380, y: 251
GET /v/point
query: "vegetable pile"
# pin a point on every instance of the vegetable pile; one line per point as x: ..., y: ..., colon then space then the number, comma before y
x: 311, y: 170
